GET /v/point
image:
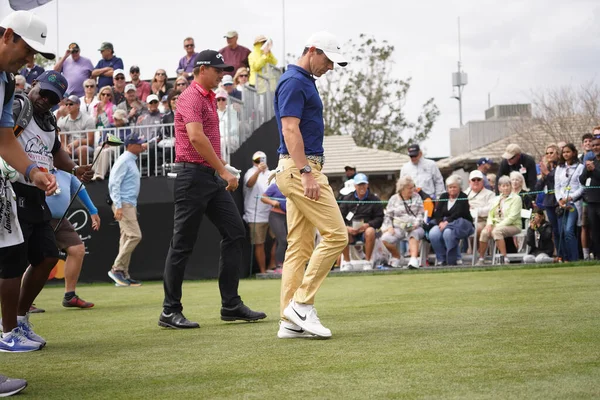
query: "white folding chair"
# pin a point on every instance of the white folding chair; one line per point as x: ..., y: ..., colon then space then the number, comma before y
x: 525, y: 214
x: 474, y: 214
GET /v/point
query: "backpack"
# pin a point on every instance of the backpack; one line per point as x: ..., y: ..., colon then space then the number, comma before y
x: 23, y: 113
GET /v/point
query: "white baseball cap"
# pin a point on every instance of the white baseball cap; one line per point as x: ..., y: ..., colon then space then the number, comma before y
x: 32, y: 30
x: 329, y: 44
x: 118, y: 71
x: 152, y: 98
x: 475, y: 174
x: 227, y: 80
x: 130, y: 86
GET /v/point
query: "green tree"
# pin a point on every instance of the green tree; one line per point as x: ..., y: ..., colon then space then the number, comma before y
x: 365, y: 101
x: 44, y: 62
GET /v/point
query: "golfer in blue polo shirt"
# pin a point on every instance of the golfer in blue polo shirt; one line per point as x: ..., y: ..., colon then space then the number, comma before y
x: 311, y: 204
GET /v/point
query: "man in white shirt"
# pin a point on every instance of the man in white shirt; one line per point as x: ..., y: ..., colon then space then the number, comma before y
x: 80, y: 143
x: 256, y: 213
x: 424, y: 172
x: 480, y: 198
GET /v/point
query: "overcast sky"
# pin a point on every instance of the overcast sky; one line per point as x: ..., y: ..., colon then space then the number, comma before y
x: 509, y: 47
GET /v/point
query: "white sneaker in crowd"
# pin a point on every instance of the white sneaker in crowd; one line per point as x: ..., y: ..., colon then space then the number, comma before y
x: 394, y: 262
x: 346, y: 266
x: 414, y: 263
x: 289, y: 330
x: 305, y: 316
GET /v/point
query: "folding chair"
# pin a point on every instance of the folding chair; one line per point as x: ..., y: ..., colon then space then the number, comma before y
x: 474, y: 214
x: 525, y: 214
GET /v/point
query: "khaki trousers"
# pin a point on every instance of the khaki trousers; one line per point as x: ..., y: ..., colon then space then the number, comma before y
x: 304, y: 218
x: 500, y: 232
x: 131, y: 235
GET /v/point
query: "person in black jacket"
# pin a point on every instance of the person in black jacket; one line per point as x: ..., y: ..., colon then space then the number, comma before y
x: 592, y: 195
x: 539, y: 240
x: 453, y: 222
x: 362, y: 219
x: 546, y: 184
x: 515, y: 160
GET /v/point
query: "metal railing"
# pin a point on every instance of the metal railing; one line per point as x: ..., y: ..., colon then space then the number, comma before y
x: 237, y: 122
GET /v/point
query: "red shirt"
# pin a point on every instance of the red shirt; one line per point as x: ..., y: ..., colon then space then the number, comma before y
x: 237, y: 57
x: 143, y: 90
x: 196, y: 104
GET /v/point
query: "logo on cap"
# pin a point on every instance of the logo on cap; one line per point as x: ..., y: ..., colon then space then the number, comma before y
x: 43, y: 36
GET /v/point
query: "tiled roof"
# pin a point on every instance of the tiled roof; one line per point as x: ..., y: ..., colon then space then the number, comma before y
x: 342, y: 150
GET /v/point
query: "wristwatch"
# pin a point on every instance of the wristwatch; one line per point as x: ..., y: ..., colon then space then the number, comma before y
x: 74, y: 170
x: 306, y: 169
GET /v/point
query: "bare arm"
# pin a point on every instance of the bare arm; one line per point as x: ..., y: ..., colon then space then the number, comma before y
x: 59, y: 64
x: 290, y: 127
x: 252, y: 180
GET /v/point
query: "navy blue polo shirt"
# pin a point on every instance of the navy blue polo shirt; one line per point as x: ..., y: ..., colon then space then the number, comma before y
x: 114, y: 63
x: 297, y: 96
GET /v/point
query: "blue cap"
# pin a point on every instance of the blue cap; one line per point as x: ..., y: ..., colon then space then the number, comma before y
x: 360, y: 178
x: 53, y: 81
x: 134, y: 138
x: 484, y: 160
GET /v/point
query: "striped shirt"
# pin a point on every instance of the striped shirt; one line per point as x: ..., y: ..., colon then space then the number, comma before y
x: 196, y: 104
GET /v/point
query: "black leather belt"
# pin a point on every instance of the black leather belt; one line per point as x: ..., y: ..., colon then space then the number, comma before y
x: 200, y: 167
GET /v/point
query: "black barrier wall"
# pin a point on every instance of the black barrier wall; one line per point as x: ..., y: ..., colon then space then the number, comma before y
x: 155, y: 213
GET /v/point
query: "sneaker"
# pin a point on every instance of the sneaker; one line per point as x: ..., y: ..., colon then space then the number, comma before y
x: 505, y: 260
x: 15, y: 341
x: 75, y: 301
x: 305, y: 316
x: 34, y: 310
x: 27, y: 328
x: 241, y: 312
x: 481, y: 261
x: 176, y: 320
x: 118, y: 277
x: 394, y: 262
x: 367, y: 266
x: 289, y: 330
x: 459, y: 261
x: 9, y: 386
x: 346, y: 266
x: 440, y: 263
x: 414, y: 263
x: 133, y: 282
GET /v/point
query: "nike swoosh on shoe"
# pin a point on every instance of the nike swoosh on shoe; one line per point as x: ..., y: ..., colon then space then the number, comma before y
x: 299, y: 316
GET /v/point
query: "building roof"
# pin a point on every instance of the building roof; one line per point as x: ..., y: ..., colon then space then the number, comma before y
x: 341, y: 150
x: 532, y: 139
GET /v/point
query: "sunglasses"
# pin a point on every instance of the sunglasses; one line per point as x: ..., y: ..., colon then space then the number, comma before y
x: 549, y: 153
x: 119, y: 78
x: 182, y: 84
x: 476, y: 180
x: 161, y: 74
x: 90, y: 86
x: 74, y: 51
x: 189, y: 45
x: 50, y: 96
x: 221, y: 99
x: 106, y: 94
x: 69, y: 104
x: 153, y: 102
x: 135, y: 71
x: 244, y: 76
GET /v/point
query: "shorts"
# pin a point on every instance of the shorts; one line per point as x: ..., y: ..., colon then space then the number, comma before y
x: 39, y: 244
x: 399, y: 235
x: 65, y: 236
x: 258, y: 232
x: 584, y: 217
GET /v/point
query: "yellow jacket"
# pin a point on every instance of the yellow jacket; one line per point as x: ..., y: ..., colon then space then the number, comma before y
x: 258, y: 61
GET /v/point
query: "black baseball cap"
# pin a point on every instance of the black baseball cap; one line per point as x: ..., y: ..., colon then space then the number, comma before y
x: 214, y: 59
x: 134, y: 68
x: 413, y: 150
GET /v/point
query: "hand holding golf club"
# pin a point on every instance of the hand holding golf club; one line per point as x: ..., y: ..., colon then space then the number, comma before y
x: 84, y: 173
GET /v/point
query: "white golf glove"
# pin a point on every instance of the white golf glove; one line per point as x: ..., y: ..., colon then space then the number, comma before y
x: 234, y: 171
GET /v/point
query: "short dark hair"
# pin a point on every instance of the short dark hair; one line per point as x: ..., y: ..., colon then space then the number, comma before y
x: 319, y: 52
x: 586, y: 136
x: 16, y: 36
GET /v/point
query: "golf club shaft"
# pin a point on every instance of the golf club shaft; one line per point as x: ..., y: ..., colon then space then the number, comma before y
x: 78, y: 189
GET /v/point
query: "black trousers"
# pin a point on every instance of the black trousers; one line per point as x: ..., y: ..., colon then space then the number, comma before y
x: 199, y: 192
x: 593, y: 210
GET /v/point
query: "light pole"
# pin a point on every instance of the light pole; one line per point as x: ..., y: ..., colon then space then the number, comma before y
x: 283, y: 31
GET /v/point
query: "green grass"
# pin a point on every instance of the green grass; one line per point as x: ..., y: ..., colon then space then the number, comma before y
x: 514, y: 334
